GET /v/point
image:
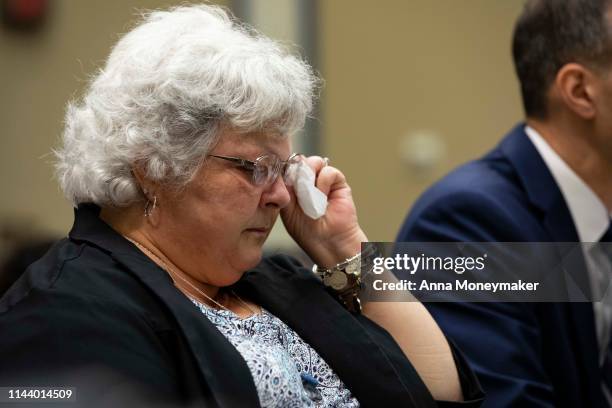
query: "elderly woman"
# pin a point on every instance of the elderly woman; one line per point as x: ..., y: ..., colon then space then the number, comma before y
x: 176, y: 159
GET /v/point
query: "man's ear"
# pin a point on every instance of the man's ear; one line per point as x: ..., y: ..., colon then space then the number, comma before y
x: 576, y: 85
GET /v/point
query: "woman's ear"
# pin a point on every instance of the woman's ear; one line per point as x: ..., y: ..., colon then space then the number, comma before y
x: 146, y: 186
x: 150, y: 192
x: 577, y: 85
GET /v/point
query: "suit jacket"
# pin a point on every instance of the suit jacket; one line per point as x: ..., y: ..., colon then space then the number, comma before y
x: 525, y: 354
x: 96, y: 314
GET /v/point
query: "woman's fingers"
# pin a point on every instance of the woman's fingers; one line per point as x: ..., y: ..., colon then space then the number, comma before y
x: 326, y: 176
x: 328, y: 179
x: 316, y: 163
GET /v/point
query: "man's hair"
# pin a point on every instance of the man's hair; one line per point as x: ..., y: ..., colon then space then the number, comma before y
x: 552, y: 33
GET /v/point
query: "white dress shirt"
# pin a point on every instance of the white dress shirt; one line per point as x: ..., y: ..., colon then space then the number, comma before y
x: 591, y: 219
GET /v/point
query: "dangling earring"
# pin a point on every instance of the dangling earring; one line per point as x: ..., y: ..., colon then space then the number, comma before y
x: 150, y: 207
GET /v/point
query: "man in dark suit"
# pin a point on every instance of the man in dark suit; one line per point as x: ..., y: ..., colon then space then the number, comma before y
x: 549, y: 180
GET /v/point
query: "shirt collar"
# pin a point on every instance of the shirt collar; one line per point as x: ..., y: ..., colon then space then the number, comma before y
x: 589, y: 213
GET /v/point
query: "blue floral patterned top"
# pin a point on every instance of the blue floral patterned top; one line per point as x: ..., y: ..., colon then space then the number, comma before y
x: 287, y: 372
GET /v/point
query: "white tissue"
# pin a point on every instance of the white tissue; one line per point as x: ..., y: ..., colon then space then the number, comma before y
x: 312, y: 200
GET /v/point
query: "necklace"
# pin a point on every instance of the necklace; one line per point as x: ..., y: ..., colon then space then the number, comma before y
x: 174, y: 275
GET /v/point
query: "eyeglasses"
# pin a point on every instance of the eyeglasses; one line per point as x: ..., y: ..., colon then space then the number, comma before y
x: 265, y: 169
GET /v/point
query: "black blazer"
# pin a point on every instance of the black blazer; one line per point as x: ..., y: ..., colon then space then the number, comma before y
x: 96, y: 314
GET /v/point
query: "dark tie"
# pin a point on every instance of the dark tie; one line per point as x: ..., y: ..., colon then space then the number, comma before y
x: 606, y: 240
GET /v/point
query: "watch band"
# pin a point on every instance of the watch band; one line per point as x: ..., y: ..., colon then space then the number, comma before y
x: 344, y: 279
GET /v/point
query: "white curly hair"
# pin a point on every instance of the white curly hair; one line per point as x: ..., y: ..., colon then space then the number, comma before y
x: 166, y: 90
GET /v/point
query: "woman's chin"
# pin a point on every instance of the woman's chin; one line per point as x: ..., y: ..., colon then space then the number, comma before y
x: 246, y: 261
x: 253, y: 259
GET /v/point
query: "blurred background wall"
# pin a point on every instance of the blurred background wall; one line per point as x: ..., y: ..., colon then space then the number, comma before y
x: 413, y: 88
x: 413, y: 77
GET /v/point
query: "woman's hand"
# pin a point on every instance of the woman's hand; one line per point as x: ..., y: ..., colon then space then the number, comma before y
x: 336, y: 235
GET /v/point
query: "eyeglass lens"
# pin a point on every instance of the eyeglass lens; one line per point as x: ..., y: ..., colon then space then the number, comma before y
x: 268, y: 168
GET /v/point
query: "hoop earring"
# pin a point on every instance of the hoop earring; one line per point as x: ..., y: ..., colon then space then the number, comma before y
x: 150, y: 207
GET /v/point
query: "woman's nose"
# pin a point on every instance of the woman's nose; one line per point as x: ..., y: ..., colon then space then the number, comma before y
x: 276, y: 194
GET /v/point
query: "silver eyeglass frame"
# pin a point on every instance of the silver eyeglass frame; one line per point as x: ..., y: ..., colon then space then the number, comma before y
x: 272, y: 171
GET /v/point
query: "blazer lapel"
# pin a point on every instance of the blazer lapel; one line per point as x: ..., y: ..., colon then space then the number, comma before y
x: 559, y: 224
x: 222, y: 366
x: 224, y: 370
x: 544, y: 194
x: 299, y: 300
